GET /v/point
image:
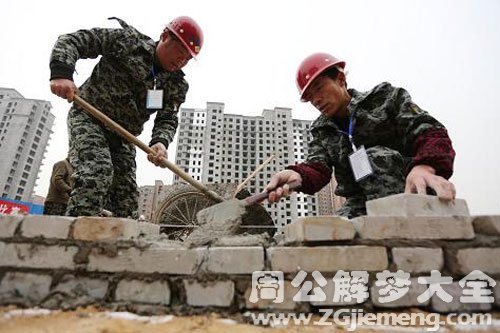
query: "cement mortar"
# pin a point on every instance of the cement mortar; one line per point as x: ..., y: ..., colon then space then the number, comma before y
x: 244, y: 240
x: 220, y: 220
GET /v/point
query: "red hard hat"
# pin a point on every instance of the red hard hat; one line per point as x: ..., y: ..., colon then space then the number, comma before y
x: 313, y: 66
x: 188, y: 32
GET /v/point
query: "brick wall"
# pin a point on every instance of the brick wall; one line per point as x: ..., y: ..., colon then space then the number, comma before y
x: 64, y: 262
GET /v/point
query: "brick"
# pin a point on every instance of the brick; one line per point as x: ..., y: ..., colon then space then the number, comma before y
x: 27, y: 286
x: 329, y: 290
x: 328, y: 258
x: 8, y: 225
x: 418, y: 259
x: 168, y: 260
x: 37, y: 256
x: 419, y: 227
x: 405, y: 204
x: 149, y: 229
x: 288, y: 303
x: 71, y: 285
x: 212, y: 293
x: 104, y: 228
x: 488, y: 225
x: 454, y: 289
x: 46, y: 226
x: 235, y: 260
x: 319, y: 228
x: 484, y: 259
x: 408, y: 300
x: 156, y: 292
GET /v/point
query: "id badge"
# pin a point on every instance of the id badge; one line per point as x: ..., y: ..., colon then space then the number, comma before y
x: 360, y: 164
x: 154, y: 99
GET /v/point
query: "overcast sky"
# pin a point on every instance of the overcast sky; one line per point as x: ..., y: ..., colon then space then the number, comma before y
x: 445, y: 53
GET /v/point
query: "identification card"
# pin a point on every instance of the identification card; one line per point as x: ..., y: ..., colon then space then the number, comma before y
x: 360, y: 164
x: 154, y: 99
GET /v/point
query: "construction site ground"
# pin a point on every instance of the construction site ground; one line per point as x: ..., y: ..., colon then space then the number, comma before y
x: 90, y: 319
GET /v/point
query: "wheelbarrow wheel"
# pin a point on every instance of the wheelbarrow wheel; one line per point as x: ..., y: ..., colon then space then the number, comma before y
x: 176, y: 214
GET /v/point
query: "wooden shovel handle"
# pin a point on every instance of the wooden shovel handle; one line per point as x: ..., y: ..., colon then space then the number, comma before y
x: 258, y: 198
x: 111, y: 124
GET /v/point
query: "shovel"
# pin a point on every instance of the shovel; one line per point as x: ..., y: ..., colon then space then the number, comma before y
x: 111, y: 124
x: 225, y: 219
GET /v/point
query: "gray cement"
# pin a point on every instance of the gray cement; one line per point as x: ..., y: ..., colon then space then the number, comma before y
x: 220, y: 220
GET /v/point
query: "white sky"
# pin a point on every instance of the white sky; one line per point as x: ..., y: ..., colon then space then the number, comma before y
x: 445, y: 53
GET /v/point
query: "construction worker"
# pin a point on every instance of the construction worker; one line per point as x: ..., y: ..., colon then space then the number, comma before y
x: 377, y: 142
x: 60, y: 187
x: 135, y: 78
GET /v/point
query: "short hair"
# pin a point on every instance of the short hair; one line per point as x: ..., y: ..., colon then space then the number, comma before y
x: 332, y: 73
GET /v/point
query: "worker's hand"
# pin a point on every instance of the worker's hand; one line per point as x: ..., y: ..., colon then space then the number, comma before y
x: 423, y: 176
x: 63, y: 88
x: 160, y: 153
x: 278, y: 185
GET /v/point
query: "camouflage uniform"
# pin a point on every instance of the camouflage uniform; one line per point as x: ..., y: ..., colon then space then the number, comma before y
x: 104, y: 163
x: 397, y: 135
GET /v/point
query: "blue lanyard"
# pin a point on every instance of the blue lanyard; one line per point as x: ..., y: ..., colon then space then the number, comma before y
x: 153, y: 73
x: 349, y: 134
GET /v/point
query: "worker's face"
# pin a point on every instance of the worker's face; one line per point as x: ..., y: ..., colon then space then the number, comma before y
x: 171, y: 53
x: 329, y: 96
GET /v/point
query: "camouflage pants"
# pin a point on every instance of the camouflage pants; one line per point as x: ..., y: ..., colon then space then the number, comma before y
x: 388, y: 178
x: 54, y: 208
x: 104, y: 169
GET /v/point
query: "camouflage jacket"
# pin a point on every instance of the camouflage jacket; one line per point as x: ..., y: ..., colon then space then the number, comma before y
x: 120, y: 80
x: 384, y: 116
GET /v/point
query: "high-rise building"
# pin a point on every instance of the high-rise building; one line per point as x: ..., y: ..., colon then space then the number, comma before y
x: 215, y: 147
x: 25, y: 129
x: 328, y: 202
x: 149, y: 196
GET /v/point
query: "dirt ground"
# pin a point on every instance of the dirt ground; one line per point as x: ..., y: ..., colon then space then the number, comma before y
x: 86, y: 321
x: 92, y: 320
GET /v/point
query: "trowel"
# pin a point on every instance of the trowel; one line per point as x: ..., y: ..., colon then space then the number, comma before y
x: 226, y: 218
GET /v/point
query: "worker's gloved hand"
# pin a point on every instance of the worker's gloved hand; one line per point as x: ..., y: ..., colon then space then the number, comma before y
x: 423, y: 176
x: 278, y: 185
x: 63, y: 88
x: 160, y: 153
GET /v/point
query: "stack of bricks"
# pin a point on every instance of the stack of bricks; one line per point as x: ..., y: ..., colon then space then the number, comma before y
x: 63, y: 262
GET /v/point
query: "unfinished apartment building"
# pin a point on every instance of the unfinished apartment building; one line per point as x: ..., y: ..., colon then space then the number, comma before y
x: 217, y: 147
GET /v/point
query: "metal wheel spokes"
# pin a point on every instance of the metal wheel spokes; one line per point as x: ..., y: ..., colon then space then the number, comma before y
x: 178, y: 213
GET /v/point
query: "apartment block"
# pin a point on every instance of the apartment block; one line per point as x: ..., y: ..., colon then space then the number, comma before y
x: 218, y: 147
x: 25, y: 129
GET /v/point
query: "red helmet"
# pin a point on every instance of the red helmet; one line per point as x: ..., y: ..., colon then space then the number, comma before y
x: 188, y: 32
x: 313, y: 66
